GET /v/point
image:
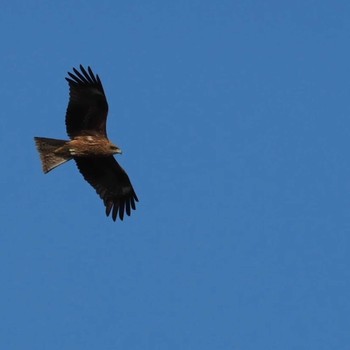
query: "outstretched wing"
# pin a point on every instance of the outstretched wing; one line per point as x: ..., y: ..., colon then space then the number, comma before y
x: 87, y: 108
x: 111, y: 183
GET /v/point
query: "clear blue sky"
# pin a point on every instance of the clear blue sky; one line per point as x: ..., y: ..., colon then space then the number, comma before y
x: 234, y: 120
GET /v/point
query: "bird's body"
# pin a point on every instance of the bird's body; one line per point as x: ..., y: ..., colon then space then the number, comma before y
x: 89, y: 146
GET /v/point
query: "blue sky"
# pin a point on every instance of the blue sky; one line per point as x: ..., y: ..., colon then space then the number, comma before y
x: 234, y: 120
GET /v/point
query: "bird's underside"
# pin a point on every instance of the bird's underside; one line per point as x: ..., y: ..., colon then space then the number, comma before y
x: 89, y: 146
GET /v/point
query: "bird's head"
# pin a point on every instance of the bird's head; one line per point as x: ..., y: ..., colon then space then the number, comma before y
x: 114, y: 149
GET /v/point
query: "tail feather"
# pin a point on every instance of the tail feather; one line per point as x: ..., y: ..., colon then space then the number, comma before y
x: 47, y: 148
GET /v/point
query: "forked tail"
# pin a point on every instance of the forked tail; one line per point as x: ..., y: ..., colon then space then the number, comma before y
x: 47, y: 148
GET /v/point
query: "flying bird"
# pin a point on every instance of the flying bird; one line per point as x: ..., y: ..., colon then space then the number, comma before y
x: 89, y: 145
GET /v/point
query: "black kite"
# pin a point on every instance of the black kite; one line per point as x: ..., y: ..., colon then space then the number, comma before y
x: 89, y: 146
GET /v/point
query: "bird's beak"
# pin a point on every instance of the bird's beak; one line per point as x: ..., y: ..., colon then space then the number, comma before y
x: 119, y: 151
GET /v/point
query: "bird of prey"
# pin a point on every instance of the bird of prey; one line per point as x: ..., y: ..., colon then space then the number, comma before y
x: 89, y: 146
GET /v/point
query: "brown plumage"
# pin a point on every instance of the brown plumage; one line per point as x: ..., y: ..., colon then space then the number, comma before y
x: 89, y: 145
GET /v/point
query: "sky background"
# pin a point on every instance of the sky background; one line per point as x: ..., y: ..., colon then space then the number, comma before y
x: 234, y: 121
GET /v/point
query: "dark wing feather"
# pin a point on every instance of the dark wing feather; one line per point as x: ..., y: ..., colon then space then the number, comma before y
x: 87, y: 108
x: 111, y: 183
